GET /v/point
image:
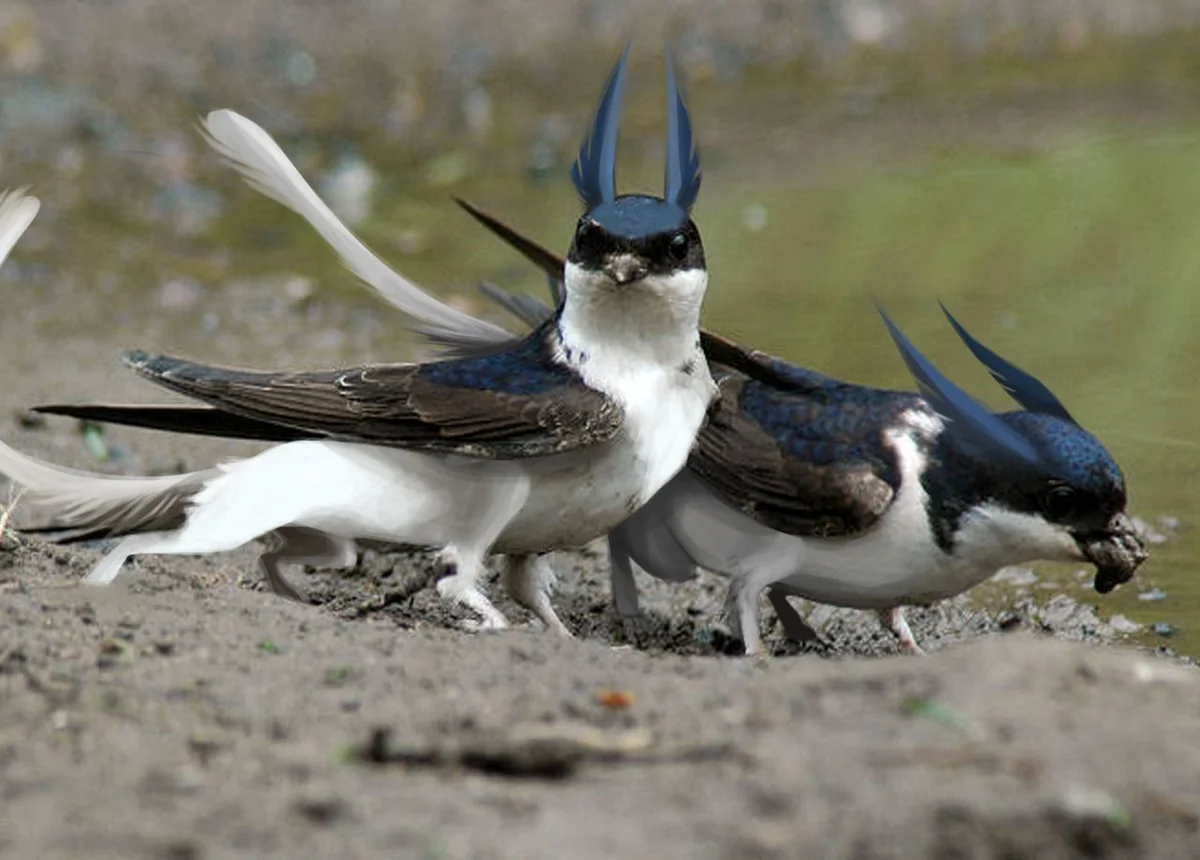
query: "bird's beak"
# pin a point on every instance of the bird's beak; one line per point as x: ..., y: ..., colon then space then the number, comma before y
x: 624, y: 268
x: 1117, y: 552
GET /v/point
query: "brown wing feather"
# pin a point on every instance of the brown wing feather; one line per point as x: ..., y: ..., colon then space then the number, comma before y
x: 748, y: 467
x: 396, y: 405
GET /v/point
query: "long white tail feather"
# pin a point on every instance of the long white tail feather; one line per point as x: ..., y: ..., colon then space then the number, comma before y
x: 265, y: 167
x: 83, y: 501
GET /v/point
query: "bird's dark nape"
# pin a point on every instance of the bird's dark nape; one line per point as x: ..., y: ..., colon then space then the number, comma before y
x: 1021, y: 386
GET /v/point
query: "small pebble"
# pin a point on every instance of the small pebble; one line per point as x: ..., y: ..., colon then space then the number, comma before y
x: 1162, y: 628
x: 1154, y: 594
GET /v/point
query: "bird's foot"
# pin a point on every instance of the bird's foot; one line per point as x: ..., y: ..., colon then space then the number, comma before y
x: 529, y: 581
x: 483, y: 625
x: 280, y: 587
x: 895, y: 621
x: 460, y: 589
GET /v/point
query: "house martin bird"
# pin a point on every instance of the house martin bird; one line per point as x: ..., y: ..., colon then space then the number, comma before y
x: 545, y: 444
x: 860, y: 497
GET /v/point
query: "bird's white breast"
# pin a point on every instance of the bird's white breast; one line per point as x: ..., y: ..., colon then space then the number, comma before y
x: 897, y: 561
x: 644, y: 354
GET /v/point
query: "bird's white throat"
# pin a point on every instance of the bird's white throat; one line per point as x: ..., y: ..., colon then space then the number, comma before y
x: 654, y: 321
x: 639, y: 343
x: 994, y: 534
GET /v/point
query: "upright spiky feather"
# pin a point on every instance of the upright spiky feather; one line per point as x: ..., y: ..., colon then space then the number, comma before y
x: 682, y: 183
x: 594, y: 171
x: 1021, y: 386
x: 979, y: 433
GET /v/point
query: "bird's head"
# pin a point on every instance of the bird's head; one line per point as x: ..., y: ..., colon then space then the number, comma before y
x: 637, y: 244
x: 1038, y: 479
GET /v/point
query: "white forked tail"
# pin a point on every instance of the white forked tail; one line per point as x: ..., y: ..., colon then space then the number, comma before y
x: 265, y: 167
x: 108, y: 505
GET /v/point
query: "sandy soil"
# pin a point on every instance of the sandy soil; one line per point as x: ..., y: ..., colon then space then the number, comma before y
x: 184, y: 714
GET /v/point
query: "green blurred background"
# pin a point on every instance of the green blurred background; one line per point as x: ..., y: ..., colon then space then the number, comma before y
x: 1035, y: 165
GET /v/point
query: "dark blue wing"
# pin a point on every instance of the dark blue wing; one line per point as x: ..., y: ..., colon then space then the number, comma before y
x: 1023, y: 388
x: 809, y: 461
x: 594, y: 171
x: 977, y: 431
x: 682, y: 183
x: 507, y: 405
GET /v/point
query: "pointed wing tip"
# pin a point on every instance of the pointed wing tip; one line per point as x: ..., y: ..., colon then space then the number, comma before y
x: 892, y: 328
x: 962, y: 333
x: 474, y: 211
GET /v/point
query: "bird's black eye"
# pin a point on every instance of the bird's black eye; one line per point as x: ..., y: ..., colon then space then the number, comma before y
x: 1061, y: 503
x: 679, y: 246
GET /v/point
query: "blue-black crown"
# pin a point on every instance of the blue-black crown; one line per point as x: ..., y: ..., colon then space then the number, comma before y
x: 594, y: 171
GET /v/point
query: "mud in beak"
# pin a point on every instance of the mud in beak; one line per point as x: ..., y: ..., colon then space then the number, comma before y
x: 625, y: 268
x: 1117, y: 553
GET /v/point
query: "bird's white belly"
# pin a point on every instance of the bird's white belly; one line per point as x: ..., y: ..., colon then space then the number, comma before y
x: 878, y: 574
x: 539, y: 504
x: 579, y: 497
x: 894, y: 563
x: 576, y: 498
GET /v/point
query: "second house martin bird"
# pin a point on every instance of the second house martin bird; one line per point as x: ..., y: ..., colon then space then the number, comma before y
x: 855, y: 496
x: 545, y: 444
